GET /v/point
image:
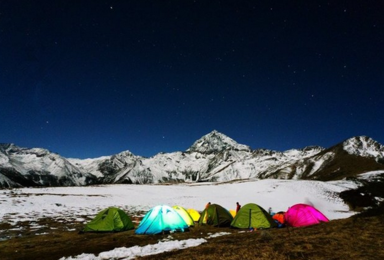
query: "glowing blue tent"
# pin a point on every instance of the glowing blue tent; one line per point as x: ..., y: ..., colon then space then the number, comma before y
x: 160, y: 219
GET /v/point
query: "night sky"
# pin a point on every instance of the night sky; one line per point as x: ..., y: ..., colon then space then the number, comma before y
x: 91, y: 78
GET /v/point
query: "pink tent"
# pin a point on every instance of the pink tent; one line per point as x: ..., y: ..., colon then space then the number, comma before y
x: 300, y: 215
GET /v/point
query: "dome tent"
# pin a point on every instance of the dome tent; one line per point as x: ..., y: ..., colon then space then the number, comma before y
x: 160, y: 219
x: 215, y: 215
x: 252, y: 216
x: 279, y: 218
x: 110, y: 220
x: 194, y: 214
x: 301, y: 215
x: 185, y: 215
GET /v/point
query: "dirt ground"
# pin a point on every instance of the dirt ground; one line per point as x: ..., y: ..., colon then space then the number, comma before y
x: 352, y: 238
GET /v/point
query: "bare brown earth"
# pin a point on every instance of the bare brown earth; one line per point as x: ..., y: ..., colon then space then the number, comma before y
x: 353, y: 238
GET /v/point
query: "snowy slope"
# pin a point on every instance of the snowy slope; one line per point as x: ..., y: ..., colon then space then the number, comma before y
x: 364, y: 146
x: 89, y: 165
x: 39, y: 167
x: 107, y: 167
x: 7, y: 183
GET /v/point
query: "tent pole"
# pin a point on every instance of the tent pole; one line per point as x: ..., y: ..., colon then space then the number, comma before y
x: 250, y: 217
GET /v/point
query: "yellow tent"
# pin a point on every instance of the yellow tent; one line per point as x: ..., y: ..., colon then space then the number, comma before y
x: 194, y: 214
x: 233, y: 212
x: 184, y: 214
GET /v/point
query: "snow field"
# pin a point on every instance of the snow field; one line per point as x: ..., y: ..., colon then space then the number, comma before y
x: 73, y: 203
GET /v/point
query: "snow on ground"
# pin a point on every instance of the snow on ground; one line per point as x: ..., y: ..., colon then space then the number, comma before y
x: 79, y: 204
x: 135, y: 251
x: 73, y: 203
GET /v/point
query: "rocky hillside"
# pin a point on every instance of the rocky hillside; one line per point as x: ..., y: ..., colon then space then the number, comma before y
x: 214, y: 157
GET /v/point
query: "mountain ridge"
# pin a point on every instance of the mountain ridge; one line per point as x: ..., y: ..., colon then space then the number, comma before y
x: 213, y: 157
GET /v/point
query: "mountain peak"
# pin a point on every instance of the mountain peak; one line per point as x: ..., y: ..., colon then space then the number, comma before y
x: 216, y: 142
x: 14, y: 149
x: 6, y: 146
x: 363, y: 146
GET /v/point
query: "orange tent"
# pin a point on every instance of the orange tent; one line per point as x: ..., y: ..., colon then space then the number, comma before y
x: 279, y: 216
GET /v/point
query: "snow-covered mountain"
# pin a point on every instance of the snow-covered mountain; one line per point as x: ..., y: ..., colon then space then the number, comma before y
x: 214, y: 157
x: 346, y: 159
x: 364, y: 146
x: 38, y: 167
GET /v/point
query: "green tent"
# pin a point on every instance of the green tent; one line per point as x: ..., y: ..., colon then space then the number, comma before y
x: 215, y: 215
x: 253, y: 216
x: 108, y: 220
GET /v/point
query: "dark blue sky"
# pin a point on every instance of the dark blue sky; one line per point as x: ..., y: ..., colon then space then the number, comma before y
x: 92, y: 78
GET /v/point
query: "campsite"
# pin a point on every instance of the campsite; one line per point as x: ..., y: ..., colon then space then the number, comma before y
x: 191, y: 130
x: 49, y: 226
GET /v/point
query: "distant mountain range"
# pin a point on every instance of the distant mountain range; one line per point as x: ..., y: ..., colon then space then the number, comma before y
x: 214, y: 157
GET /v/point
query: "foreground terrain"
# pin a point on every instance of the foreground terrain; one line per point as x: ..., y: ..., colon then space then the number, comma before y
x: 358, y: 237
x: 46, y: 223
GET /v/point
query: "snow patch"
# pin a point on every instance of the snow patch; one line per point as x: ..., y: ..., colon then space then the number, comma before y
x: 137, y: 251
x: 218, y: 234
